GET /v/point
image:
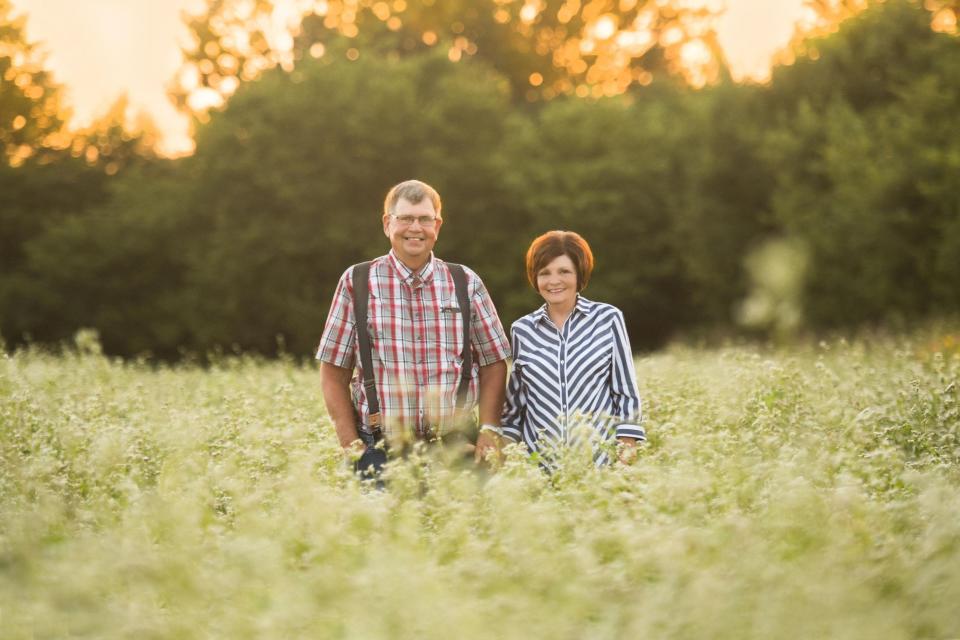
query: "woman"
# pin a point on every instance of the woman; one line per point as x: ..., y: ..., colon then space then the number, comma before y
x: 572, y: 364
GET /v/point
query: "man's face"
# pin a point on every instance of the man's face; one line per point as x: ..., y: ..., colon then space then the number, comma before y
x: 411, y: 239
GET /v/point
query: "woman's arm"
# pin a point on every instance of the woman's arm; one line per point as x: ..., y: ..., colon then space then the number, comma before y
x: 623, y: 386
x: 514, y: 410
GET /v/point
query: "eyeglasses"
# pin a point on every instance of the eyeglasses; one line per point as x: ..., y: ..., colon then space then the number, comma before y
x: 406, y: 221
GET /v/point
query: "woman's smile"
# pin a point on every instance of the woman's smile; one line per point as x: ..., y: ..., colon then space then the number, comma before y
x: 557, y: 282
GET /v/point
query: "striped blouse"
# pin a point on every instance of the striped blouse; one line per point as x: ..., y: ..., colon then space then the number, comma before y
x: 580, y: 375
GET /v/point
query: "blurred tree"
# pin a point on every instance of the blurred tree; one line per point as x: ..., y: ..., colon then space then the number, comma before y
x: 47, y: 174
x: 35, y: 195
x: 46, y: 187
x: 849, y: 156
x: 544, y: 48
x: 116, y: 140
x: 31, y: 116
x: 867, y: 63
x: 863, y: 155
x: 118, y: 267
x: 606, y: 170
x: 824, y: 17
x: 946, y: 15
x: 720, y: 205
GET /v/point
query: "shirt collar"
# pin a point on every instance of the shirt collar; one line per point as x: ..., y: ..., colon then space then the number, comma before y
x: 407, y: 274
x: 582, y: 306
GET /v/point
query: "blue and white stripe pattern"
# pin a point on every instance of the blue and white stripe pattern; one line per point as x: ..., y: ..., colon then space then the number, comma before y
x: 565, y: 378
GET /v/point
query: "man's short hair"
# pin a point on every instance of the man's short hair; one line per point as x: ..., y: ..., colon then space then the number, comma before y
x: 553, y: 244
x: 413, y: 191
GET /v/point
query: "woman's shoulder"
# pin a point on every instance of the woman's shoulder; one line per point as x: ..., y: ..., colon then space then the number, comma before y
x: 528, y: 321
x: 599, y: 309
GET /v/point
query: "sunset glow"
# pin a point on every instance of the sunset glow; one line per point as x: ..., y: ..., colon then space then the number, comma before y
x: 135, y: 48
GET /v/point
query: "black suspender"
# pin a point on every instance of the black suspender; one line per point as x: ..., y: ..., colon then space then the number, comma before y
x: 361, y: 299
x: 463, y: 299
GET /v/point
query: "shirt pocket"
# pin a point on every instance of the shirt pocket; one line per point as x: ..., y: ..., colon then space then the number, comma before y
x: 450, y: 326
x: 444, y: 335
x: 385, y: 324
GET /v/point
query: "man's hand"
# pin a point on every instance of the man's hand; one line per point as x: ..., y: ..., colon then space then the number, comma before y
x: 491, y: 388
x: 627, y: 450
x: 487, y: 441
x: 354, y: 450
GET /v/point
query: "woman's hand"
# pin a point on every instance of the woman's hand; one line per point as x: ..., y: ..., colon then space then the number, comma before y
x: 627, y: 450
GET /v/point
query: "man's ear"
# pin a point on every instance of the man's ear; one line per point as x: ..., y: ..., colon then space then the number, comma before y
x: 386, y: 225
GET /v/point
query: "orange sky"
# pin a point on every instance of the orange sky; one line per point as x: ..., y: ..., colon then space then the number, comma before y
x: 100, y: 48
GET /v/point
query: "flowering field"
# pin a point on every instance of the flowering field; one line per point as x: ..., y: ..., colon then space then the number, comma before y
x: 799, y: 493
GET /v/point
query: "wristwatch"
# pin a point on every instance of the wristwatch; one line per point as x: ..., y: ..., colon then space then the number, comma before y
x: 492, y: 428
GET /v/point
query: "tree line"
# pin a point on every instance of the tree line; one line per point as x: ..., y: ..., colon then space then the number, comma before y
x: 849, y: 155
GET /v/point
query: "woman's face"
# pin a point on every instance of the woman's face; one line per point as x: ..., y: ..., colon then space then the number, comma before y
x: 557, y: 281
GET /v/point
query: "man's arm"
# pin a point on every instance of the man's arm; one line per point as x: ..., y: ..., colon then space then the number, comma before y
x: 335, y: 384
x: 491, y: 348
x: 493, y: 379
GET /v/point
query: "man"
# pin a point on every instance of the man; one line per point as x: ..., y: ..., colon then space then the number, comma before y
x: 416, y: 335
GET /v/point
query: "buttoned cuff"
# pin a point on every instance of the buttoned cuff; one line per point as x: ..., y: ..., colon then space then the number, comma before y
x: 513, y: 433
x: 632, y: 431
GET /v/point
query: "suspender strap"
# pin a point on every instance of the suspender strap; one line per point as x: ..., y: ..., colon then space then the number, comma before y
x: 463, y: 300
x: 361, y: 289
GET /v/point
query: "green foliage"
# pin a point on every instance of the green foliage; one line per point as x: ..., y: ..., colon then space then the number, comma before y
x: 720, y: 195
x: 128, y: 250
x: 37, y: 195
x: 862, y: 157
x: 604, y: 169
x: 809, y: 492
x: 849, y: 153
x: 868, y: 62
x: 49, y: 177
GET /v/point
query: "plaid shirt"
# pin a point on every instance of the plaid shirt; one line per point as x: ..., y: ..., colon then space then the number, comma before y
x: 416, y: 335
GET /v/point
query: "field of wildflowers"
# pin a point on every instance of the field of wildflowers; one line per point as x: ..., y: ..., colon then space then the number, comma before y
x: 801, y: 492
